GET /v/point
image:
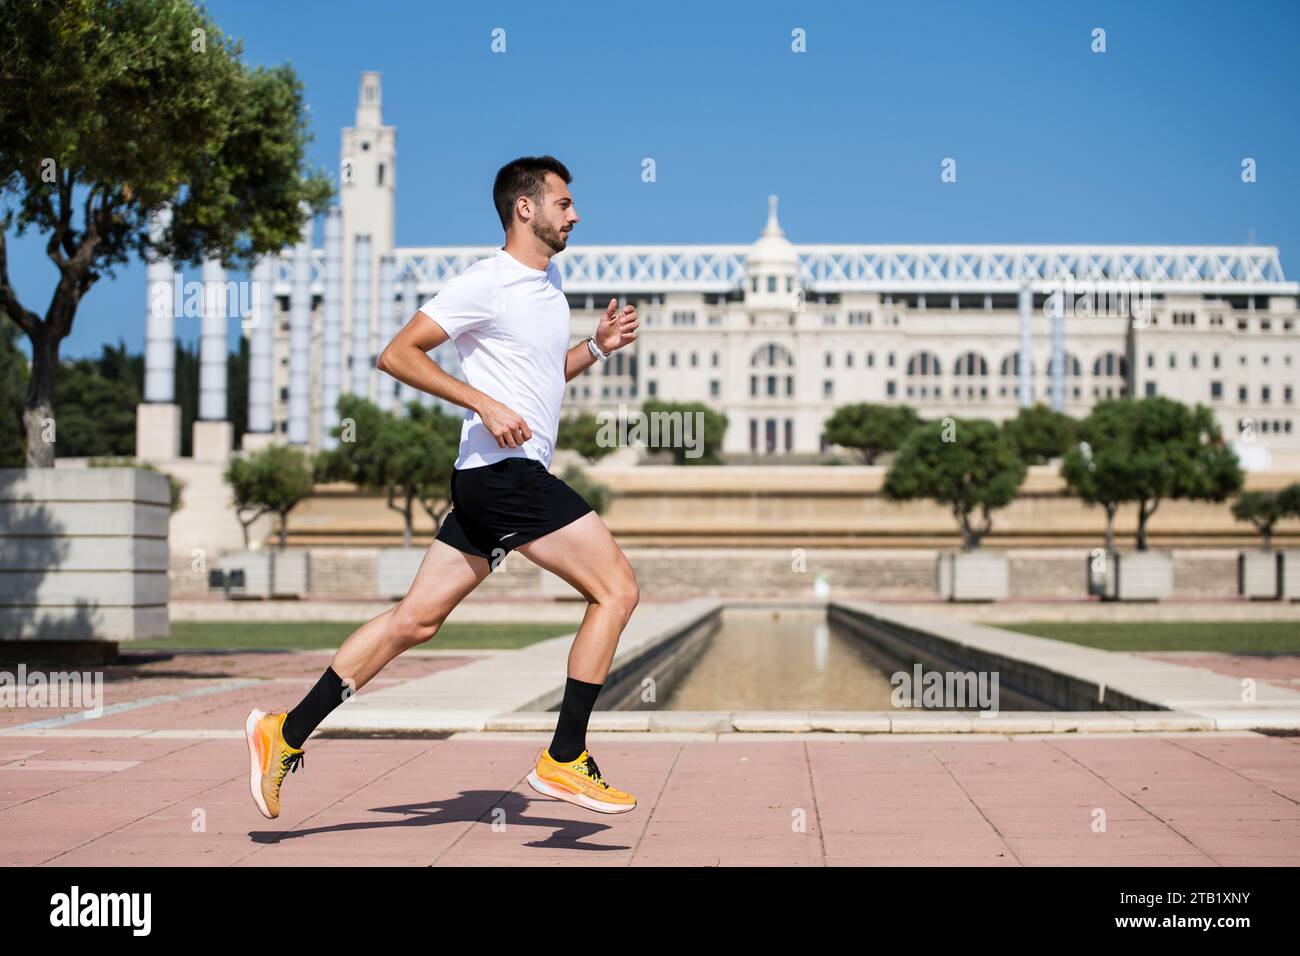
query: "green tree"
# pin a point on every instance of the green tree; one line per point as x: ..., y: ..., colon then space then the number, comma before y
x: 581, y: 433
x: 99, y: 398
x: 1150, y: 449
x: 1179, y: 453
x: 13, y: 387
x: 1264, y: 509
x: 1289, y: 498
x: 272, y: 480
x: 1040, y: 433
x: 438, y: 434
x: 1099, y: 468
x: 966, y: 464
x: 237, y: 390
x: 186, y: 392
x: 407, y: 458
x: 678, y: 424
x: 111, y: 110
x: 175, y: 484
x: 871, y: 429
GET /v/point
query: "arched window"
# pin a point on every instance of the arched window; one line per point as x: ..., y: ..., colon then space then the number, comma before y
x: 971, y: 364
x: 1009, y: 373
x: 1110, y: 376
x: 973, y: 371
x: 770, y: 355
x: 924, y: 364
x: 1010, y: 366
x: 923, y: 371
x: 1073, y: 375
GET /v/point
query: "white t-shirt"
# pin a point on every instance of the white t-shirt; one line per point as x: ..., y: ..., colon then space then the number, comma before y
x: 510, y: 324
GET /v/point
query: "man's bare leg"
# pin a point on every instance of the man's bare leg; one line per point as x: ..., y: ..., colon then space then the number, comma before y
x: 444, y: 578
x: 275, y: 740
x: 585, y: 554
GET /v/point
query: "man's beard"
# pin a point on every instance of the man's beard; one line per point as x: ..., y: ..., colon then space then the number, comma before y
x: 549, y: 235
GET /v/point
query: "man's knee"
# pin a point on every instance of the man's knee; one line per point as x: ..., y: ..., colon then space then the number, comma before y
x: 412, y: 625
x: 621, y: 593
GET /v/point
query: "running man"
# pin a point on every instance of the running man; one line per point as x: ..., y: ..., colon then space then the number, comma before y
x: 509, y: 318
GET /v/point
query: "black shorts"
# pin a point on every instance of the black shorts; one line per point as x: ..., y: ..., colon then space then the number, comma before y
x: 500, y: 506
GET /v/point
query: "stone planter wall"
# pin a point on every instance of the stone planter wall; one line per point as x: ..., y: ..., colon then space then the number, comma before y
x: 1141, y: 576
x: 973, y: 576
x: 1259, y: 575
x: 83, y: 554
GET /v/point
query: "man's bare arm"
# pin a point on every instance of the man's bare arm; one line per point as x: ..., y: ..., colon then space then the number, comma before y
x: 577, y: 360
x: 616, y: 329
x: 406, y: 358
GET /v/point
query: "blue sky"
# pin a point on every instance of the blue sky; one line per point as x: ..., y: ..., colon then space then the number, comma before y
x: 1053, y: 143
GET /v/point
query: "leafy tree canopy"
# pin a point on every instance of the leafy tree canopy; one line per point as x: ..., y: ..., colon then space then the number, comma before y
x: 871, y: 429
x: 969, y: 465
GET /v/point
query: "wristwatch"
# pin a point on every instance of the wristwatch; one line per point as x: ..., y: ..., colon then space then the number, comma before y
x: 595, y: 349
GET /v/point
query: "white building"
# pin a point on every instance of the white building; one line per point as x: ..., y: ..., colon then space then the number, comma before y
x: 776, y: 334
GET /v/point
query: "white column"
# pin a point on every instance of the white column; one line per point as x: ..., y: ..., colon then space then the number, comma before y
x: 1026, y: 346
x: 300, y: 338
x: 362, y: 363
x: 387, y: 273
x: 160, y: 321
x: 1058, y: 352
x: 410, y: 303
x: 261, y: 346
x: 332, y: 327
x: 212, y: 344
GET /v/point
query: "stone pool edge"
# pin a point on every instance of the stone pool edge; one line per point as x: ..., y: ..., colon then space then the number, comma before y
x: 512, y: 693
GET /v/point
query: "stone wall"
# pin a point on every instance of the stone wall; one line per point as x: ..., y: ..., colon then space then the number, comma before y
x: 1050, y: 574
x: 814, y: 507
x: 83, y: 554
x: 1205, y: 573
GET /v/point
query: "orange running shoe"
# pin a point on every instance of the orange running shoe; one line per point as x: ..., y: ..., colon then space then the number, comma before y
x: 578, y: 782
x: 269, y: 759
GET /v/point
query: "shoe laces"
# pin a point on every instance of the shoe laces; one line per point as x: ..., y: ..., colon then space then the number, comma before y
x: 289, y: 763
x: 588, y: 768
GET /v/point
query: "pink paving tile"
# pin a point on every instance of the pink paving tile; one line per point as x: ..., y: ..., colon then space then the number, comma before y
x: 1188, y: 859
x: 913, y: 859
x: 36, y: 765
x: 9, y: 753
x: 1194, y: 801
x: 287, y: 676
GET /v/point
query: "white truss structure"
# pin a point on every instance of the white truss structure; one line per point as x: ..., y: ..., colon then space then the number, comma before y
x: 1241, y: 270
x: 1214, y: 270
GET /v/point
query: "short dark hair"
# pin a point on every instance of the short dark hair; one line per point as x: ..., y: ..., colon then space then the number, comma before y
x: 525, y: 176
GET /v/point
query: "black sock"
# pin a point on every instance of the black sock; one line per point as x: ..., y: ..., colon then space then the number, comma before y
x: 570, y: 738
x: 315, y: 707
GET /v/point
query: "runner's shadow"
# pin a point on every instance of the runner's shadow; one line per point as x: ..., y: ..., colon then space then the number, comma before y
x: 487, y: 806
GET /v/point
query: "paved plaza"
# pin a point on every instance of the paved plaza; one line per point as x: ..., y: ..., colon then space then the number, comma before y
x: 161, y: 779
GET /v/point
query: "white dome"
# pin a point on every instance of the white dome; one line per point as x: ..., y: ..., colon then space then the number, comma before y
x: 772, y: 249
